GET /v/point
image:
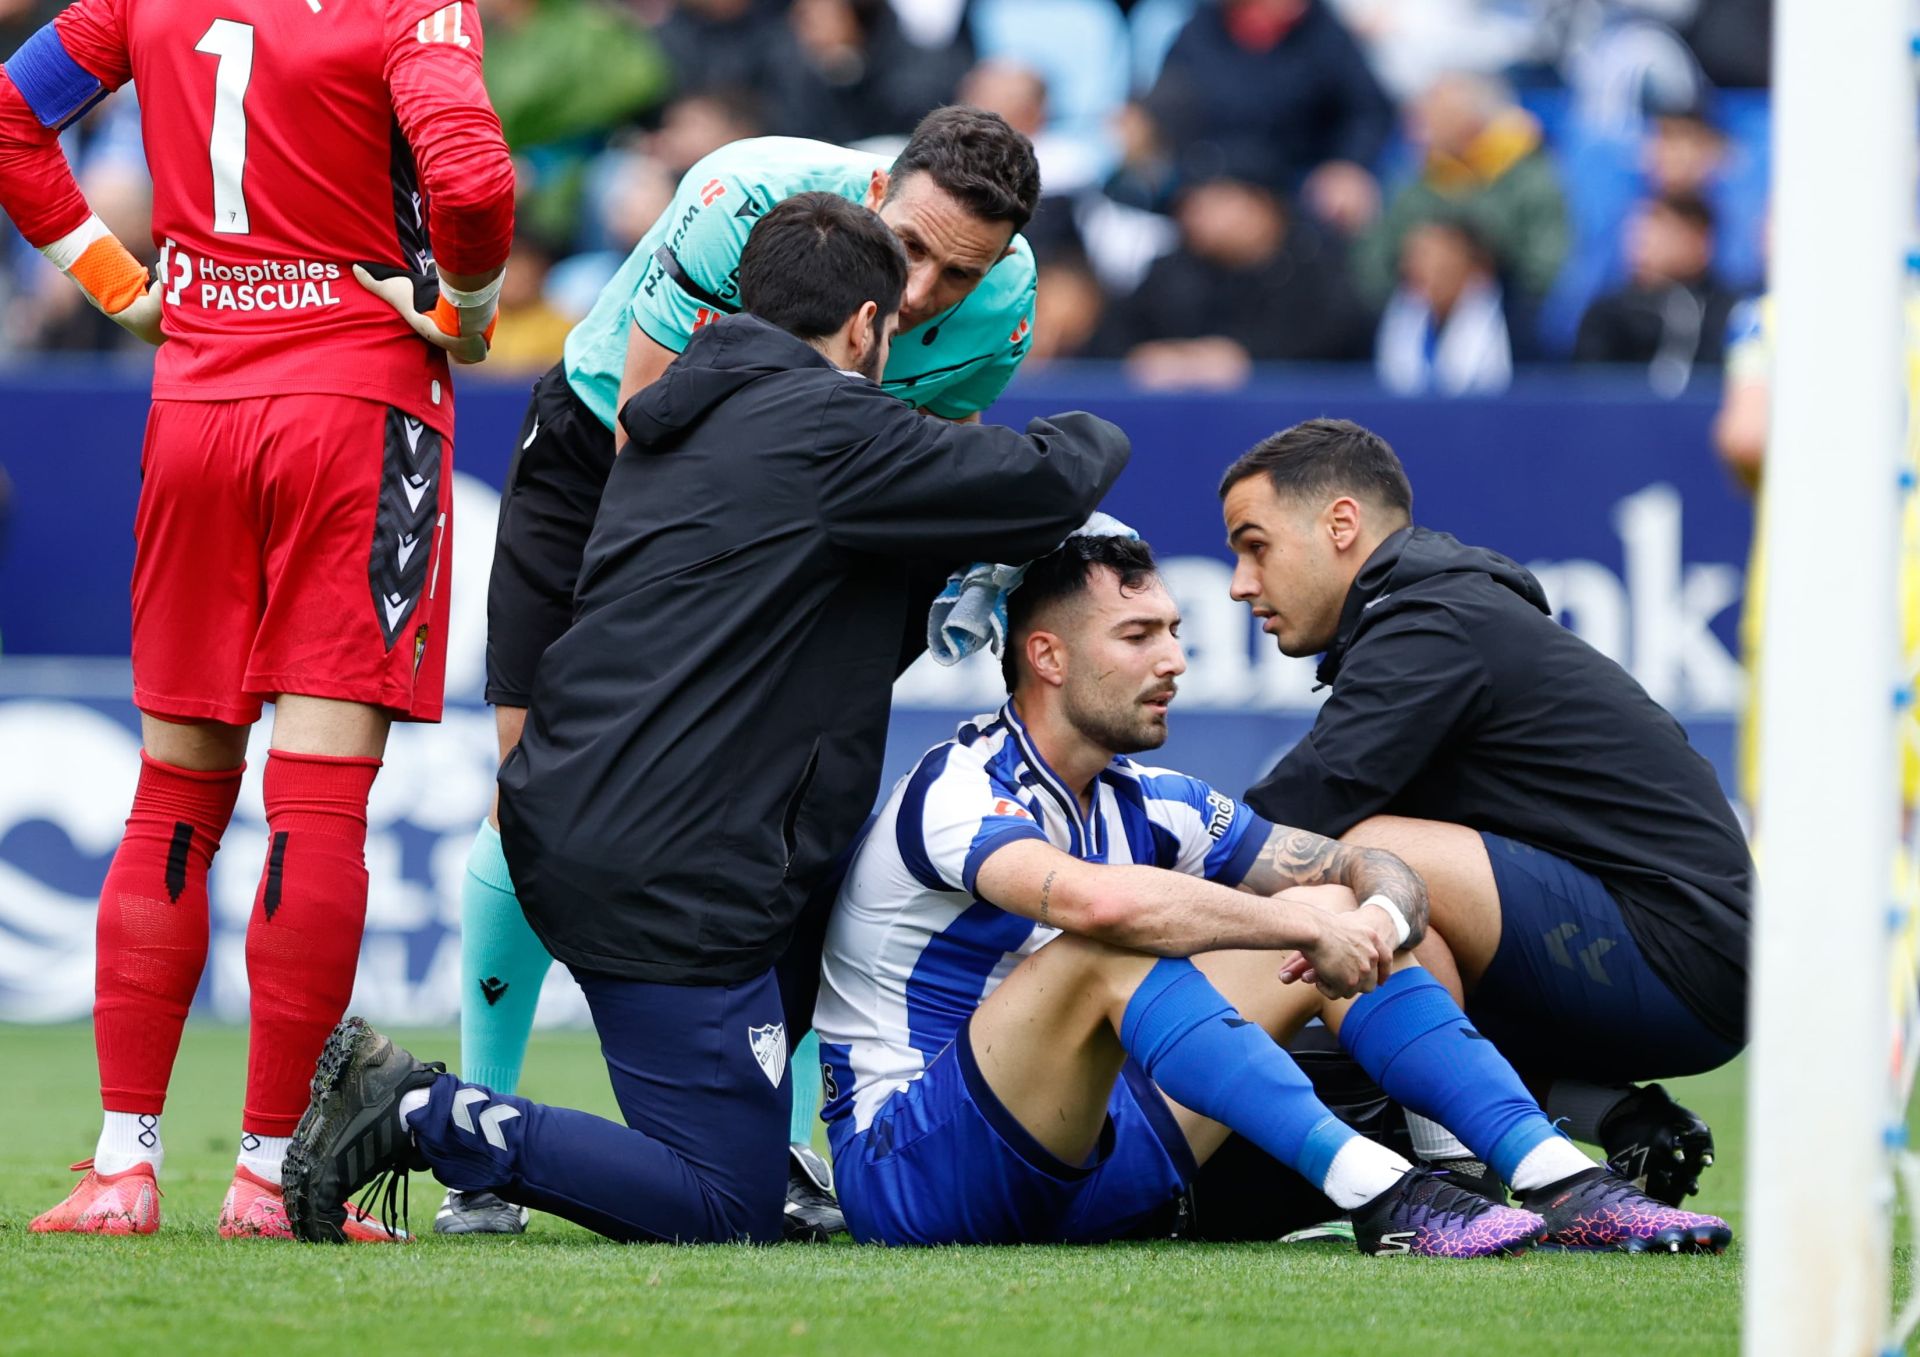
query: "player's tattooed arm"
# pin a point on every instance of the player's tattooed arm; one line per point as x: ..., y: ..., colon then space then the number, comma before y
x: 1299, y: 857
x: 1046, y: 899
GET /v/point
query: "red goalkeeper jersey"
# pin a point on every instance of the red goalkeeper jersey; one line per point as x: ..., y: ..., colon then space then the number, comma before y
x: 287, y: 139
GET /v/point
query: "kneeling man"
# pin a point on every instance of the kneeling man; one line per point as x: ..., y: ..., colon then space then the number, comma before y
x: 1588, y: 878
x: 1016, y: 1045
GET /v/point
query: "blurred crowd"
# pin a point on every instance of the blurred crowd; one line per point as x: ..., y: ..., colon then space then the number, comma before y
x: 1442, y: 189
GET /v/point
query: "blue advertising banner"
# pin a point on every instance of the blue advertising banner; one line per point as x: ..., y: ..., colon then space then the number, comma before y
x: 1611, y: 496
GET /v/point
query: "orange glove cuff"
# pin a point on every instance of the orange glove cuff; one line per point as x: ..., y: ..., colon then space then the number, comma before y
x: 110, y: 275
x: 447, y: 317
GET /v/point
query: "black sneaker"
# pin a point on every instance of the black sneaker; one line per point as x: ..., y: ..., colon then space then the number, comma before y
x: 1598, y: 1210
x: 1424, y: 1215
x: 351, y: 1134
x: 478, y: 1213
x: 1654, y: 1142
x: 813, y: 1212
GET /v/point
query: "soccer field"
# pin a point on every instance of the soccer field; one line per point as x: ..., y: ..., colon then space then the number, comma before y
x: 186, y: 1290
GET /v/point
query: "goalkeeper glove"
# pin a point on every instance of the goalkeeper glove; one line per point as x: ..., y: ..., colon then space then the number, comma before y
x: 459, y: 322
x: 111, y: 279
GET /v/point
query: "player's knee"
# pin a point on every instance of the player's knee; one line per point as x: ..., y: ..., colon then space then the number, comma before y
x: 1108, y: 975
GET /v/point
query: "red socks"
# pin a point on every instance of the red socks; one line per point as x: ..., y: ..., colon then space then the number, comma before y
x: 303, y: 941
x: 151, y: 935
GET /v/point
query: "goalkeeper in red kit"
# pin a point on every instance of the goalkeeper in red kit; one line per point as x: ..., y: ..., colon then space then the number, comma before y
x: 315, y: 163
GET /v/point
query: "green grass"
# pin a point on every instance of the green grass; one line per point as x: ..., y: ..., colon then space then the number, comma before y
x: 186, y: 1290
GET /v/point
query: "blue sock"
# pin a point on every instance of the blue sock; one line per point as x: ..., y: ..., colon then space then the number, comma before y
x: 502, y: 965
x: 1419, y: 1047
x: 805, y: 1065
x: 1197, y: 1047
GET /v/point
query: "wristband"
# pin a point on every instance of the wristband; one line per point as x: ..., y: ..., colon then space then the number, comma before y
x: 484, y: 295
x: 95, y: 259
x: 1402, y: 929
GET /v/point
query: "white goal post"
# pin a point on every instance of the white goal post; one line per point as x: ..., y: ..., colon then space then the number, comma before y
x: 1819, y: 1189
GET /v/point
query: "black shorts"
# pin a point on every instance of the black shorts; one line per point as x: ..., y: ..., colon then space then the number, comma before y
x: 546, y: 512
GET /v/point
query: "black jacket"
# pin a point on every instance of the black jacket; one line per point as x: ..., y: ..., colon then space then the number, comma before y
x: 1457, y: 697
x: 708, y: 734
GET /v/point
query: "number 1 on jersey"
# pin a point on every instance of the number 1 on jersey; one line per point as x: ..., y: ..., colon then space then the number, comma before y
x: 227, y: 147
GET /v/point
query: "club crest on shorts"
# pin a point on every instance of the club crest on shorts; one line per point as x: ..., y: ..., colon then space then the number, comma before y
x: 770, y: 1049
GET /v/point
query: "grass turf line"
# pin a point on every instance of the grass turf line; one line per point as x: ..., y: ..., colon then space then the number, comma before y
x: 186, y: 1290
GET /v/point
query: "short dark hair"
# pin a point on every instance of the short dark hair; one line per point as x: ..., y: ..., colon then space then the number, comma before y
x: 1064, y: 572
x: 1689, y: 207
x: 814, y: 259
x: 978, y: 158
x: 1326, y: 457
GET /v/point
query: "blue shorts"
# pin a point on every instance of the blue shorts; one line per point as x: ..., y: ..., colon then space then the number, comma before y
x: 1569, y: 992
x: 944, y: 1163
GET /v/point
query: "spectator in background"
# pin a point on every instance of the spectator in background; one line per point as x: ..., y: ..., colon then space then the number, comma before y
x: 1445, y: 328
x: 852, y: 74
x: 1483, y: 163
x: 1684, y: 151
x: 1251, y: 282
x: 1068, y: 308
x: 724, y: 45
x: 1672, y: 314
x: 694, y: 126
x: 1279, y: 78
x: 531, y: 330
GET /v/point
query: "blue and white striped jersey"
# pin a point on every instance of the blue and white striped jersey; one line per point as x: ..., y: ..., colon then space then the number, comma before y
x: 911, y: 950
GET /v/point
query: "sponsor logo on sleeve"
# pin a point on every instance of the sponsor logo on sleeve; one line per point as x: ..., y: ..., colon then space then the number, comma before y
x: 1219, y: 814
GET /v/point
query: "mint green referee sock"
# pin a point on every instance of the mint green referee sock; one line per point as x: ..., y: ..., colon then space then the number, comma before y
x: 502, y: 965
x: 805, y: 1065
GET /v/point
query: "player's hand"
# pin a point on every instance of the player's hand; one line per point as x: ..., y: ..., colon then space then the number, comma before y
x: 1348, y: 957
x: 142, y: 316
x: 465, y: 333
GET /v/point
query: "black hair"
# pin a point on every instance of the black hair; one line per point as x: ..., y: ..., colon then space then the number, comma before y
x: 814, y: 259
x: 1689, y: 207
x: 1326, y: 457
x: 978, y: 158
x: 1062, y: 573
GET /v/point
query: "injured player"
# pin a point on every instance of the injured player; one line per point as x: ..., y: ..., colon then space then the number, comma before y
x: 1043, y: 1003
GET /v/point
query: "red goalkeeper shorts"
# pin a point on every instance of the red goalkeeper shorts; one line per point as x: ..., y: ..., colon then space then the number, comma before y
x: 291, y: 544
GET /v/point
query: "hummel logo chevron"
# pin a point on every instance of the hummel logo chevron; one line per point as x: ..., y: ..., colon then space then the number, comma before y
x: 492, y: 988
x: 490, y: 1120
